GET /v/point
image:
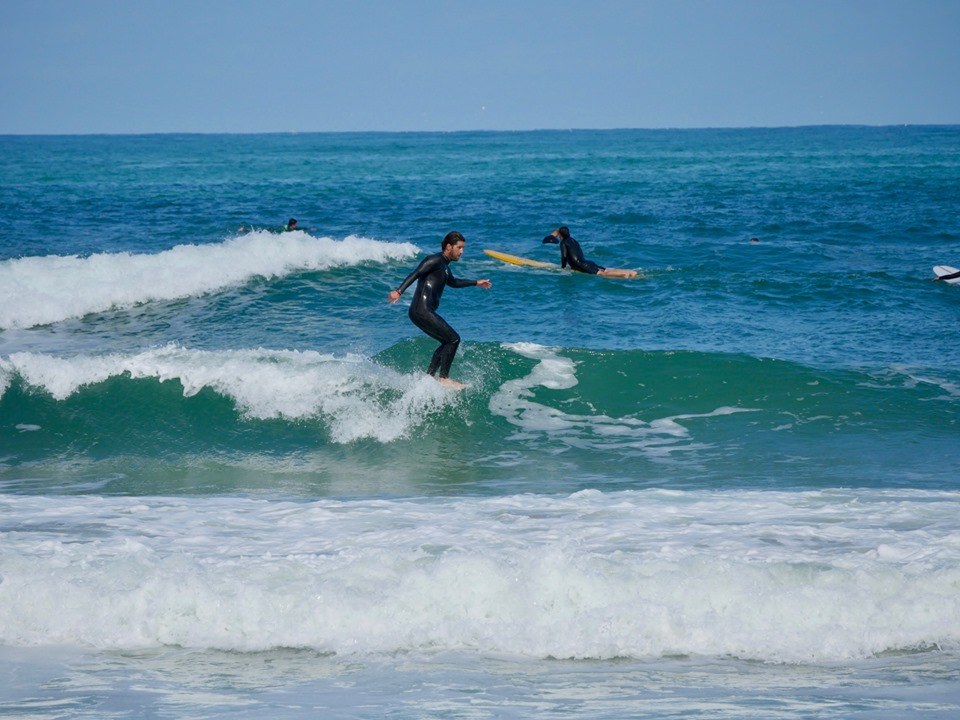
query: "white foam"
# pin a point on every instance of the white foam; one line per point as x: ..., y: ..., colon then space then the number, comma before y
x: 354, y: 396
x: 41, y: 290
x: 780, y: 577
x: 514, y: 402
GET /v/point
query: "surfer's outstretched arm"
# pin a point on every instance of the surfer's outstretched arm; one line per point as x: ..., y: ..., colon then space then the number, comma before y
x: 456, y: 282
x: 426, y: 266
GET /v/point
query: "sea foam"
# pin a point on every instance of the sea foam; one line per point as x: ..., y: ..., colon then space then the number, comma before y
x: 514, y: 401
x: 771, y: 576
x: 43, y: 290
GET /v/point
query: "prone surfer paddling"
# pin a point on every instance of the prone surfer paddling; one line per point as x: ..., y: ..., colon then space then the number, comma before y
x: 572, y: 254
x: 432, y: 276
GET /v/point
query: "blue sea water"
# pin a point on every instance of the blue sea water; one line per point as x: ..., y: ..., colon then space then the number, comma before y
x: 728, y: 488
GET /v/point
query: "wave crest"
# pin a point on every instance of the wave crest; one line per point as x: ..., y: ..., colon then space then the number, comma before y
x: 356, y: 397
x: 42, y: 290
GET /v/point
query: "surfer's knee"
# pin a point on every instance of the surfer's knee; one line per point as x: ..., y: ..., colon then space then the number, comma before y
x: 452, y: 339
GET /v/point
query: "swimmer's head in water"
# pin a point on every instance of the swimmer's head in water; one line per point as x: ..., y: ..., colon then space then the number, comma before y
x: 451, y: 238
x: 564, y: 231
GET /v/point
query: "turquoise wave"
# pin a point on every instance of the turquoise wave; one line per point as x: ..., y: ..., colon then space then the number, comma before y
x: 618, y: 419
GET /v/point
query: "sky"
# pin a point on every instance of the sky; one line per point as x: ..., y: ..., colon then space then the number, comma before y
x: 248, y: 66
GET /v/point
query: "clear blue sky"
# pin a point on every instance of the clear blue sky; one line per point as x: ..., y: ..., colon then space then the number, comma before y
x: 136, y: 66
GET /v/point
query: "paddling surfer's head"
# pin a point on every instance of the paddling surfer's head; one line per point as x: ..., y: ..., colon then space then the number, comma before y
x: 564, y: 231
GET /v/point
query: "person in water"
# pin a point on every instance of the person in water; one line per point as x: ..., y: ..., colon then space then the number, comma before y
x: 291, y: 225
x: 572, y: 254
x: 432, y: 276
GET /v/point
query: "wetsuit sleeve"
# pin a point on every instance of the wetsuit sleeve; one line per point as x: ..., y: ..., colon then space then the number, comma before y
x: 458, y: 283
x: 427, y: 265
x: 550, y: 239
x: 408, y: 281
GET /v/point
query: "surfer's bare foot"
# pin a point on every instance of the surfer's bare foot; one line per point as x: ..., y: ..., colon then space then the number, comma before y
x: 453, y: 384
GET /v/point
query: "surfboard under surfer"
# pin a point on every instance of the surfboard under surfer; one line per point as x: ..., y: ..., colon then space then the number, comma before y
x: 572, y: 254
x: 433, y: 275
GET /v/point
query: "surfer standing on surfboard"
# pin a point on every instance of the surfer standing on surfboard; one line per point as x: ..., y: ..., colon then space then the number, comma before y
x: 572, y: 254
x: 432, y: 276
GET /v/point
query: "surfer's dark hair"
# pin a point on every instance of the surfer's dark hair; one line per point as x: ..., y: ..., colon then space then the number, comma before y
x: 564, y: 231
x: 452, y: 238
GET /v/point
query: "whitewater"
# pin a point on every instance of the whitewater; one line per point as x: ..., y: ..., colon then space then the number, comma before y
x: 591, y: 575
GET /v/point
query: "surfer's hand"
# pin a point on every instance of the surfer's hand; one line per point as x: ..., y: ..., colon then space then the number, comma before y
x: 393, y: 296
x: 485, y: 284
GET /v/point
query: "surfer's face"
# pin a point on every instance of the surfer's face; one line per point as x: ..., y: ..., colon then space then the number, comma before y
x: 454, y: 251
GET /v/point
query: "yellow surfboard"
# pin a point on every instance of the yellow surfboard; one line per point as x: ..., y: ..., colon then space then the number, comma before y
x: 517, y: 260
x: 527, y: 262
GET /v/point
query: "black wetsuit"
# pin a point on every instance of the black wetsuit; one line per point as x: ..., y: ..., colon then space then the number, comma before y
x: 572, y: 254
x: 432, y: 276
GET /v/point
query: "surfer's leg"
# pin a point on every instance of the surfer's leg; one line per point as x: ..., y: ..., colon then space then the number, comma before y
x: 443, y: 358
x: 438, y: 328
x: 614, y: 272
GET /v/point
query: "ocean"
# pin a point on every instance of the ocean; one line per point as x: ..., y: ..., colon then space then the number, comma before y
x: 728, y: 488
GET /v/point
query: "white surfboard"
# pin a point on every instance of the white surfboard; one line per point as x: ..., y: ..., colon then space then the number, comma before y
x: 941, y: 270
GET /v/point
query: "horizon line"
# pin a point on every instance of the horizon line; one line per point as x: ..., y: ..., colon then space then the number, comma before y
x: 477, y: 131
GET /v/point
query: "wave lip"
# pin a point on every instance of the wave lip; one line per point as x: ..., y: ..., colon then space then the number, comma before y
x: 42, y: 290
